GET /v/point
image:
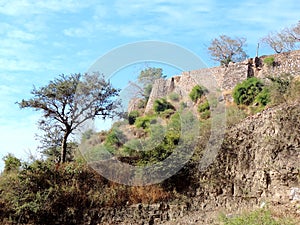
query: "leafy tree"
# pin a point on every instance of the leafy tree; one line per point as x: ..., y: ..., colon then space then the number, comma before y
x: 69, y: 101
x: 11, y: 163
x: 149, y: 75
x: 146, y: 79
x: 225, y: 49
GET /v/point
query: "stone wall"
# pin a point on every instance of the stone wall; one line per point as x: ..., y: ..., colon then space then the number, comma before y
x: 285, y: 63
x: 226, y: 77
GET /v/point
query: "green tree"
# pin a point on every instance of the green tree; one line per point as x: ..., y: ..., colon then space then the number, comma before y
x: 146, y: 79
x: 11, y: 163
x: 226, y: 49
x: 69, y: 101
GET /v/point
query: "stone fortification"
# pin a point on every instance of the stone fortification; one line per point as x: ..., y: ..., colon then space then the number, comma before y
x: 225, y: 77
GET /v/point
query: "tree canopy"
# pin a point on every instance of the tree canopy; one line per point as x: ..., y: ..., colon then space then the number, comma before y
x: 68, y: 102
x: 226, y: 49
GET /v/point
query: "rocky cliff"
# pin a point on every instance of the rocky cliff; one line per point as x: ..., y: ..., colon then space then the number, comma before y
x: 258, y: 165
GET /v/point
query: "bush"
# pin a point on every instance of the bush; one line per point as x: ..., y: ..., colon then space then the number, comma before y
x: 144, y: 122
x: 161, y: 105
x: 183, y: 105
x: 115, y: 138
x: 246, y: 92
x: 204, y: 107
x: 132, y: 116
x: 174, y: 96
x: 167, y: 113
x: 197, y: 92
x: 205, y: 115
x: 263, y: 98
x: 269, y: 61
x: 278, y: 88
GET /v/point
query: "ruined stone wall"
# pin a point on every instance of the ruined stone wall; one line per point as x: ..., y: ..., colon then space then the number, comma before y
x: 285, y: 63
x: 226, y: 77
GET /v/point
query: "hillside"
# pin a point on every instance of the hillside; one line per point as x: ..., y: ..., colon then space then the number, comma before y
x: 256, y: 167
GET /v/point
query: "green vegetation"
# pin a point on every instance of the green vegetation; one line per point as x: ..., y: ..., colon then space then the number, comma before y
x: 114, y: 138
x: 197, y: 92
x: 63, y: 189
x: 68, y: 194
x: 269, y: 61
x: 258, y: 217
x: 174, y: 96
x: 69, y: 101
x: 204, y: 107
x: 246, y: 92
x: 263, y: 98
x: 160, y: 105
x: 11, y: 163
x: 145, y: 121
x: 132, y: 117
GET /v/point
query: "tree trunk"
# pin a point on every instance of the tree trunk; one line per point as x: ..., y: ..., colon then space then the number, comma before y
x: 63, y: 154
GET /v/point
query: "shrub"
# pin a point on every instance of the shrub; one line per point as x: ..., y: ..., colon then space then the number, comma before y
x: 161, y: 105
x: 115, y: 138
x: 204, y: 107
x: 246, y: 92
x: 132, y: 116
x: 269, y: 61
x: 183, y: 105
x: 263, y: 98
x: 144, y: 122
x: 167, y: 113
x: 174, y: 96
x: 197, y: 92
x: 205, y: 115
x: 278, y: 88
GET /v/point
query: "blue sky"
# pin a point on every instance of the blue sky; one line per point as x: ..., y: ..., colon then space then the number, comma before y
x: 41, y: 39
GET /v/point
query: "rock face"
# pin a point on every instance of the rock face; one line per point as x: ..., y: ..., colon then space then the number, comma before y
x: 258, y: 164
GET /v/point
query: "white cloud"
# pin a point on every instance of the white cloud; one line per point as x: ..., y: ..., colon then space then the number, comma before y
x: 32, y: 7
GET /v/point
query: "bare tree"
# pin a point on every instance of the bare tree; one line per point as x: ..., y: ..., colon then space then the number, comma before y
x: 279, y: 42
x: 294, y: 32
x: 225, y: 49
x: 285, y: 40
x: 69, y: 101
